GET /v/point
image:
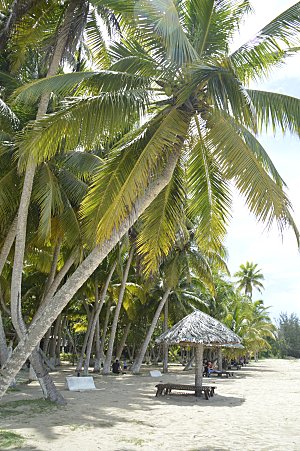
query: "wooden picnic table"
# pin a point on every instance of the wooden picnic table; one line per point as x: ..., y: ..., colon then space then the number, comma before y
x: 207, y: 390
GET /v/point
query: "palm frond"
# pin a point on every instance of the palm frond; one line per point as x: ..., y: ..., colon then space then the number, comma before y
x: 46, y: 193
x: 277, y: 110
x: 157, y: 24
x: 74, y: 188
x: 82, y: 164
x: 9, y: 194
x: 127, y: 173
x: 160, y: 223
x: 264, y: 197
x: 8, y: 119
x: 96, y: 41
x: 77, y: 83
x: 209, y: 197
x: 223, y: 90
x: 255, y: 58
x: 212, y: 23
x: 82, y: 123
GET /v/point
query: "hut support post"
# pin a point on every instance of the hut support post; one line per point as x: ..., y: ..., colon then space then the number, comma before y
x: 198, y: 369
x: 220, y: 359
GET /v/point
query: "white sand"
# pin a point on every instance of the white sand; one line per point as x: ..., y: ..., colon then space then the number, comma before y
x: 258, y: 409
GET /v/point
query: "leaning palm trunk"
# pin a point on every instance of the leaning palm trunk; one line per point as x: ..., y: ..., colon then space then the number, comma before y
x: 136, y: 366
x: 55, y: 305
x: 107, y: 363
x: 16, y: 283
x: 96, y: 316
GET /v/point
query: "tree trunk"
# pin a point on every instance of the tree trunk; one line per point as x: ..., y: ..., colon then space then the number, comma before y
x: 136, y: 366
x: 49, y: 390
x: 46, y: 341
x: 98, y: 347
x: 104, y: 333
x: 94, y: 320
x: 107, y: 363
x: 3, y: 345
x: 8, y: 242
x: 59, y: 339
x: 123, y: 341
x: 53, y: 341
x: 16, y: 282
x: 55, y: 305
x: 85, y: 340
x: 165, y: 345
x: 220, y: 359
x: 198, y: 369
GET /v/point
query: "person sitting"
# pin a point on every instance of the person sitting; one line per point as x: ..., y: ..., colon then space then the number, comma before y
x: 210, y: 369
x: 205, y: 370
x: 116, y: 367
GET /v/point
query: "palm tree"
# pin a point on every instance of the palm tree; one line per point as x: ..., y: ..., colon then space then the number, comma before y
x: 179, y: 71
x: 249, y: 277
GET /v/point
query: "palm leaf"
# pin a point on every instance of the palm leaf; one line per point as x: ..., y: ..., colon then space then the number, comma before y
x: 268, y: 47
x: 127, y: 173
x: 46, y: 193
x: 8, y: 119
x: 209, y: 197
x: 82, y: 123
x: 80, y: 82
x: 264, y: 197
x: 82, y: 164
x: 277, y: 110
x: 96, y: 41
x: 160, y: 223
x: 212, y: 23
x: 157, y: 23
x: 9, y: 194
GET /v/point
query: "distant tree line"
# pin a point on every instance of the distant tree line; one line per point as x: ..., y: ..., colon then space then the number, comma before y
x: 288, y: 342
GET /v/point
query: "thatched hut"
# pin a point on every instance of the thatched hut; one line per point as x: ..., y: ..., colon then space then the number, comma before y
x: 199, y: 329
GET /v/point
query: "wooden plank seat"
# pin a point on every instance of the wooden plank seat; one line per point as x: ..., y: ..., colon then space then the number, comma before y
x: 219, y: 374
x: 207, y: 390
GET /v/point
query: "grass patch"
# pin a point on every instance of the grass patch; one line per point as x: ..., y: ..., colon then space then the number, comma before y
x: 9, y: 439
x: 26, y: 407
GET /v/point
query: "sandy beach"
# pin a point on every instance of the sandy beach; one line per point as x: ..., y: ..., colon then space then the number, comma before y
x: 257, y: 409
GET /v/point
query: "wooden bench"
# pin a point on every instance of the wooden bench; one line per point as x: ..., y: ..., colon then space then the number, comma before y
x: 219, y: 374
x: 230, y: 367
x: 208, y: 391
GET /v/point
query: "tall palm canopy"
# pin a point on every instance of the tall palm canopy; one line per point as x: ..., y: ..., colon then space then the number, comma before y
x: 249, y: 277
x: 172, y: 66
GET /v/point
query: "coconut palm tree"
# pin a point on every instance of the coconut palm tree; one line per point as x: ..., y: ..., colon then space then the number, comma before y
x: 249, y: 277
x: 180, y: 72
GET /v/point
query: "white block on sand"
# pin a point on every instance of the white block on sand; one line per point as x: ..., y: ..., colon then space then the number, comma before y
x: 155, y: 373
x: 80, y: 383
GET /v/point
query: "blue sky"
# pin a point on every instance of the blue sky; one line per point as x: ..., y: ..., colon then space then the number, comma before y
x: 278, y: 257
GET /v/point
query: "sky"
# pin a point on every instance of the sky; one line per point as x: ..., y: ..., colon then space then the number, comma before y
x: 277, y: 256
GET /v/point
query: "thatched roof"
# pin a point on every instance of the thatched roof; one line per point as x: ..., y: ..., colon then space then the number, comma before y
x: 198, y: 327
